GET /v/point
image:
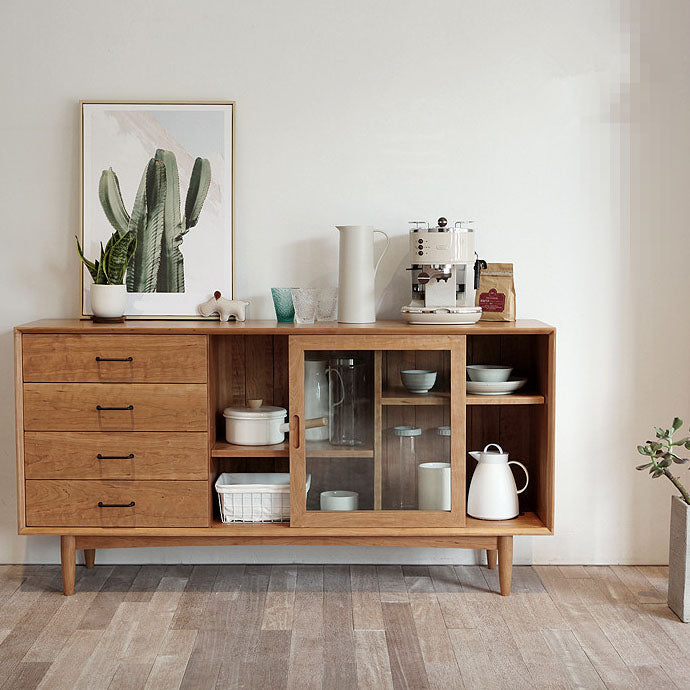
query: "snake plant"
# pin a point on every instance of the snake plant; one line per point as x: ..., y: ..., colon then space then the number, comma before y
x: 155, y: 222
x: 109, y: 268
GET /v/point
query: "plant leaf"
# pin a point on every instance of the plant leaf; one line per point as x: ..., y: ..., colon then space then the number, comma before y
x: 199, y: 183
x: 101, y: 277
x: 90, y: 265
x: 117, y: 256
x: 657, y: 474
x: 644, y: 467
x: 677, y: 423
x: 111, y: 201
x: 680, y: 461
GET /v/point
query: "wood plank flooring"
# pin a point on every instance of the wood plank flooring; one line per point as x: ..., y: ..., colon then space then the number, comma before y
x: 340, y: 627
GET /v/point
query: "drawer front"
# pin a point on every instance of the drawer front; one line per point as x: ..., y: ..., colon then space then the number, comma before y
x: 138, y: 407
x: 113, y: 358
x: 115, y: 455
x: 64, y: 503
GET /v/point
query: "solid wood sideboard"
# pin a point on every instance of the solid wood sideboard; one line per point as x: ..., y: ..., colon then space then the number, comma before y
x: 120, y: 434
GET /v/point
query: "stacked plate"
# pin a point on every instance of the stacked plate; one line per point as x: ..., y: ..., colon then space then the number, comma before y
x: 492, y: 379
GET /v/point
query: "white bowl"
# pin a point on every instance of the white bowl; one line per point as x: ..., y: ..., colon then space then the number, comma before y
x: 489, y: 373
x: 418, y: 380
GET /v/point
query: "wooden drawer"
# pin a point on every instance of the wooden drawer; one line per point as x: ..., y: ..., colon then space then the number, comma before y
x: 113, y: 358
x: 142, y: 407
x: 64, y: 503
x: 124, y: 455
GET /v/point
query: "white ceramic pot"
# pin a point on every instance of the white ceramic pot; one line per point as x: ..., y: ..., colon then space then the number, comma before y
x: 339, y: 500
x: 679, y: 560
x: 259, y: 425
x: 108, y: 301
x: 433, y: 480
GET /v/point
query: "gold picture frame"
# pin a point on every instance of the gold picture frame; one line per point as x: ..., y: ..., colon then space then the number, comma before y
x: 229, y: 186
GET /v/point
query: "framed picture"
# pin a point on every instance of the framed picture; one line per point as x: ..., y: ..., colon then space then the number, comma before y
x: 163, y: 171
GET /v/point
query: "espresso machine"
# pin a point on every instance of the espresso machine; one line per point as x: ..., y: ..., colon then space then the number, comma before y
x: 445, y: 274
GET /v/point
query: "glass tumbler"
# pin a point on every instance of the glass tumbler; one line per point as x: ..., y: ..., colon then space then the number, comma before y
x: 282, y: 301
x: 327, y: 307
x: 305, y: 301
x: 403, y: 482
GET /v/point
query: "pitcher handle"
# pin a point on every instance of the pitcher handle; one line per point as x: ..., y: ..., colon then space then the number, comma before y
x: 524, y: 469
x: 495, y: 445
x: 342, y: 385
x: 385, y: 249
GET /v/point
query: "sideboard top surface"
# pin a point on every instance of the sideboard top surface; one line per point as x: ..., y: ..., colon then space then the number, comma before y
x: 214, y: 327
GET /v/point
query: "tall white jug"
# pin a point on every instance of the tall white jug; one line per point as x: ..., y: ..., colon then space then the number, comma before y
x: 357, y: 273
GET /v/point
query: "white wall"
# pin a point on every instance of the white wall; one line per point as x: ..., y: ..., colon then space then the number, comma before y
x: 516, y: 114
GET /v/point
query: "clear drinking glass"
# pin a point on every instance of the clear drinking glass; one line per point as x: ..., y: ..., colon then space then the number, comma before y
x: 327, y: 307
x: 305, y: 301
x: 282, y: 301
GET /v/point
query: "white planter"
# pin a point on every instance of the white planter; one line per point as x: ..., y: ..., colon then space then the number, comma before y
x: 679, y: 560
x: 108, y: 301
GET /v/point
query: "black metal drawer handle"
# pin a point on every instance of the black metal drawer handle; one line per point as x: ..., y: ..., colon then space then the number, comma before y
x: 116, y: 505
x: 100, y: 408
x: 114, y: 359
x: 115, y: 457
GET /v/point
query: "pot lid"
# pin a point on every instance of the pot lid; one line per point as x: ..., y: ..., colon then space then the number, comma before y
x: 263, y: 412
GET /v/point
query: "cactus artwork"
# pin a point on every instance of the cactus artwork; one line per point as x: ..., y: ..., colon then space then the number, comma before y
x: 156, y: 222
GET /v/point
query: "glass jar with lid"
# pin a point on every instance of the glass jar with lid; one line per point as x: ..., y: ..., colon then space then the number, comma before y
x: 403, y: 479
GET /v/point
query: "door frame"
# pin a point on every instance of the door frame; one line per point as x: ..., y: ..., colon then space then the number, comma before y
x: 299, y: 515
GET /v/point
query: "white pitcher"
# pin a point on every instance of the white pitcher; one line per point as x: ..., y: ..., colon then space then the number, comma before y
x: 493, y: 494
x: 357, y: 273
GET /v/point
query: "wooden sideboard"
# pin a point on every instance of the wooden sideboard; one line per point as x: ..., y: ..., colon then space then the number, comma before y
x: 120, y: 434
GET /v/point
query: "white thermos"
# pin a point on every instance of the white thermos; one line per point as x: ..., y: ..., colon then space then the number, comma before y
x: 357, y: 273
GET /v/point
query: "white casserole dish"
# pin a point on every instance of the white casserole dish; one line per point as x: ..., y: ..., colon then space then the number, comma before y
x: 259, y: 425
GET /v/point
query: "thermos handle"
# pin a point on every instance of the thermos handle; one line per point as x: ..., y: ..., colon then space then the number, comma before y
x: 495, y: 445
x: 385, y: 249
x: 515, y: 462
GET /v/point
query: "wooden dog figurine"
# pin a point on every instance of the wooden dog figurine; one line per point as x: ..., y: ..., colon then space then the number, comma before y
x: 224, y: 307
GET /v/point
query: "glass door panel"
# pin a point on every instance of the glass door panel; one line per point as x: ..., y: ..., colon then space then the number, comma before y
x: 376, y: 415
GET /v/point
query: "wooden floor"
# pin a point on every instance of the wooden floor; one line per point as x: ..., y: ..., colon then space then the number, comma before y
x: 340, y: 627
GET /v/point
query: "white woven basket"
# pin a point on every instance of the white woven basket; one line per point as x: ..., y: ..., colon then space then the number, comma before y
x: 255, y: 496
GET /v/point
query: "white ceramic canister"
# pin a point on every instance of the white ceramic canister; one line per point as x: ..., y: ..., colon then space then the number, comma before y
x: 357, y: 273
x: 108, y: 301
x: 433, y: 485
x: 316, y: 397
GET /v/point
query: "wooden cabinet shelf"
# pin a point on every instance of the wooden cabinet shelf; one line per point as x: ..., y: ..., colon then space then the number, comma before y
x: 403, y: 397
x: 525, y: 524
x: 513, y: 399
x: 315, y: 449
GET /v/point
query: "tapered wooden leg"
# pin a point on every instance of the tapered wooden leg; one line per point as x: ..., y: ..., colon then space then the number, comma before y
x: 69, y: 563
x: 89, y: 557
x: 505, y: 564
x: 491, y: 558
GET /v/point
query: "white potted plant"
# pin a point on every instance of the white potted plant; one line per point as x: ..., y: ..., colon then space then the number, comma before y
x: 108, y: 292
x: 661, y: 455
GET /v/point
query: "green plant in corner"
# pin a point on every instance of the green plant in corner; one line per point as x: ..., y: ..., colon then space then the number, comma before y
x: 661, y: 455
x: 110, y: 267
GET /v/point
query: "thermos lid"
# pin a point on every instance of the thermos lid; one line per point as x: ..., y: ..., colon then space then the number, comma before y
x: 443, y: 431
x: 407, y: 431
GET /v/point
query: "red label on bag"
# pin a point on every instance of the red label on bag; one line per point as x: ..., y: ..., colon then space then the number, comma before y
x: 492, y: 300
